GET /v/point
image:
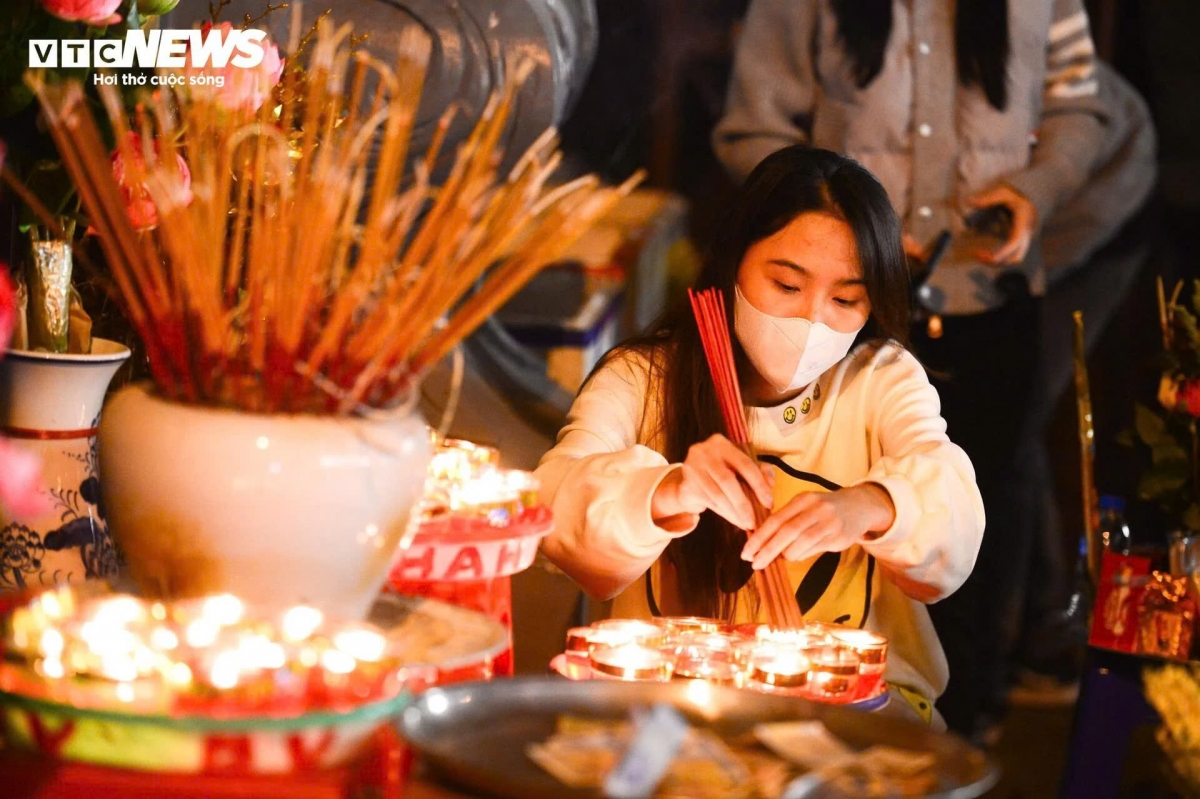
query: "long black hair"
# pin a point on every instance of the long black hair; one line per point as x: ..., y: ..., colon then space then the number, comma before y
x: 796, y: 180
x: 981, y: 42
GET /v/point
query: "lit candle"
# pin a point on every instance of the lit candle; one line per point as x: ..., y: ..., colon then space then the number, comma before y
x: 362, y: 643
x: 497, y: 495
x: 456, y: 460
x: 834, y: 671
x: 778, y: 667
x: 716, y: 642
x: 300, y: 622
x: 699, y: 663
x: 630, y: 662
x: 614, y: 632
x: 678, y: 625
x: 578, y: 641
x: 871, y: 647
x: 211, y: 655
x: 872, y: 652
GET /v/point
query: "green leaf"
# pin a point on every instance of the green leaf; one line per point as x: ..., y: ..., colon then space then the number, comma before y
x: 1163, y: 480
x: 1191, y: 517
x: 1150, y: 428
x: 1167, y: 451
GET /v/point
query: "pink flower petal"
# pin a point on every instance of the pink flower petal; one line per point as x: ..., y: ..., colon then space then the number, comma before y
x: 8, y: 306
x: 20, y: 482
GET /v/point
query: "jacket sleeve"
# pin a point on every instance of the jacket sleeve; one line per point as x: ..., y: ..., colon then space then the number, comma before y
x: 930, y: 549
x: 1070, y: 133
x: 773, y: 84
x: 599, y: 482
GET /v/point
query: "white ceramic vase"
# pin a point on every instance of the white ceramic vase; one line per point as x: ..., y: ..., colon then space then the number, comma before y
x: 50, y: 404
x: 278, y: 509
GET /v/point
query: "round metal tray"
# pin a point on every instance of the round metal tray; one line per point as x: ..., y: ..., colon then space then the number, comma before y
x: 475, y: 734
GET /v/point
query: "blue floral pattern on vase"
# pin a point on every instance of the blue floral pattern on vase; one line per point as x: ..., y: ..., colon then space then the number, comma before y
x: 81, y: 525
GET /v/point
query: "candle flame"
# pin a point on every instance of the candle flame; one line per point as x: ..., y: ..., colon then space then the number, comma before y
x: 300, y: 622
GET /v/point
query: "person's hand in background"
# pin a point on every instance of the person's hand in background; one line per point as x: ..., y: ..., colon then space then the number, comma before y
x: 1024, y: 225
x: 914, y: 249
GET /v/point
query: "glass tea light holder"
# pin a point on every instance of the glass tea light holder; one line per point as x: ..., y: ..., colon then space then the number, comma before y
x: 715, y: 642
x: 698, y: 663
x: 498, y: 496
x: 871, y: 649
x: 834, y: 674
x: 804, y: 637
x: 578, y: 642
x: 681, y: 625
x: 630, y: 663
x: 455, y: 460
x: 615, y: 632
x: 776, y: 668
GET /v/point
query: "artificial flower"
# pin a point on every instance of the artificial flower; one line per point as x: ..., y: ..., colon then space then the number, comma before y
x: 130, y: 176
x: 20, y: 469
x: 93, y: 12
x: 1168, y: 392
x: 1189, y: 397
x: 8, y: 307
x: 237, y: 88
x: 20, y: 482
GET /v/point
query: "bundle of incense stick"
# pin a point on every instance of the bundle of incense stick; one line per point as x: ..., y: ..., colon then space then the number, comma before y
x: 709, y: 308
x: 299, y: 274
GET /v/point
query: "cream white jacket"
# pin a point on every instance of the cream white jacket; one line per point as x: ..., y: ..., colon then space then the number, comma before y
x: 874, y: 417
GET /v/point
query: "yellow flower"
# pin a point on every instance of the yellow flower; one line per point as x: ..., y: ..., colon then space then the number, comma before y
x: 1168, y: 392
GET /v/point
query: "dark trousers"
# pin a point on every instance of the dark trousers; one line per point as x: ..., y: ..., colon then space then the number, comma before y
x: 985, y: 368
x: 1034, y: 632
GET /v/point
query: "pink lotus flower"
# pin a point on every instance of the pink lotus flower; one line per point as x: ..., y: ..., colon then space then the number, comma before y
x: 130, y: 174
x: 93, y: 12
x: 20, y: 482
x: 237, y: 88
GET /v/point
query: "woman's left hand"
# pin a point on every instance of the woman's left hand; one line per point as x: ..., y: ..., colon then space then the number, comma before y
x: 811, y: 523
x: 1024, y: 225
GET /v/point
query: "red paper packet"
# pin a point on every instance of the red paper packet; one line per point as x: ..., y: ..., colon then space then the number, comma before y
x: 1114, y: 616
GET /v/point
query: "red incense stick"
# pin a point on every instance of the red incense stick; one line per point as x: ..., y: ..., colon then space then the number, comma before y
x: 713, y: 322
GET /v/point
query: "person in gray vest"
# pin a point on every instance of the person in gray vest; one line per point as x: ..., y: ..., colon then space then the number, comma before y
x: 993, y: 121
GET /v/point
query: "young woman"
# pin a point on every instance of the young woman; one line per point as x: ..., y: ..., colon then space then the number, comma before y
x: 956, y: 107
x: 875, y: 510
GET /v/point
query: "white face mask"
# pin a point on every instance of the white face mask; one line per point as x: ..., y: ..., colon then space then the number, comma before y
x: 789, y: 353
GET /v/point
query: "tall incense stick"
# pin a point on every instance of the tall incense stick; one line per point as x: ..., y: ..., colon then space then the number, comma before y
x: 708, y: 306
x: 298, y: 272
x: 1087, y: 452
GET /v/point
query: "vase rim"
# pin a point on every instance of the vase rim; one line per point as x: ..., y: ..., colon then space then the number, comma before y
x: 103, y: 351
x: 149, y: 391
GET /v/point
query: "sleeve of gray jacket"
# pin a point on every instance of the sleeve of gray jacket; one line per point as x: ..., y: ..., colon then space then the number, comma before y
x: 1070, y: 135
x: 773, y: 83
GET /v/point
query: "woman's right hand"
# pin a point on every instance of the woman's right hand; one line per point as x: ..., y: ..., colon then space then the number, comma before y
x: 714, y: 476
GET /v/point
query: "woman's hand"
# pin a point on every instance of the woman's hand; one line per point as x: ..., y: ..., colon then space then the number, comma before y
x: 714, y: 476
x: 1024, y: 225
x: 811, y: 523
